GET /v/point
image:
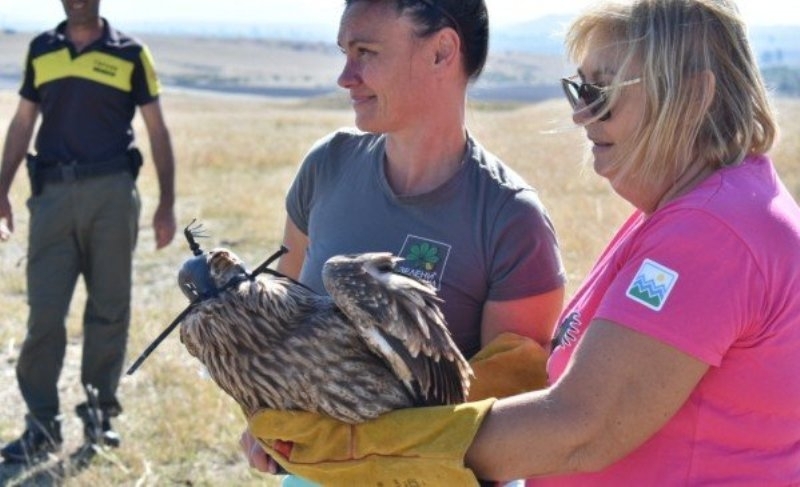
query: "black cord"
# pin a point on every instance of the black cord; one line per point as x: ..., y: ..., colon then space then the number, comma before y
x: 190, y: 233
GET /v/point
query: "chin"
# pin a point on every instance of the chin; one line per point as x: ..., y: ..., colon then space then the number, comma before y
x: 365, y: 124
x: 602, y: 168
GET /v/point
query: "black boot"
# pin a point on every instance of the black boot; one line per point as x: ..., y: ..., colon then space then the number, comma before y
x: 41, y: 437
x: 97, y: 428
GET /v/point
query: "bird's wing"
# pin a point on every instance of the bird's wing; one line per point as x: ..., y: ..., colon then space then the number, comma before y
x: 400, y: 319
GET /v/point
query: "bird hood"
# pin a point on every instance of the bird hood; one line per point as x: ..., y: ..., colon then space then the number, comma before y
x: 194, y: 279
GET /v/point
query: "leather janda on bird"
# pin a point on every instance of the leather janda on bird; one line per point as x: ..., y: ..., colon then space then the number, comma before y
x: 378, y: 342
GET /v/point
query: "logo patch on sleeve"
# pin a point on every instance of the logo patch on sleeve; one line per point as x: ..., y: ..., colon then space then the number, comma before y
x: 652, y: 285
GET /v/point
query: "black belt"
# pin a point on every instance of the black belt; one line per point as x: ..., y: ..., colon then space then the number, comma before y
x: 75, y: 171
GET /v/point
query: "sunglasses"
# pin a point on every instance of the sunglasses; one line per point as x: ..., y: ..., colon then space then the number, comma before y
x: 593, y: 96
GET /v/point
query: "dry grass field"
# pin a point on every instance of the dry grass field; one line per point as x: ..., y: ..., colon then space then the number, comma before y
x: 236, y: 157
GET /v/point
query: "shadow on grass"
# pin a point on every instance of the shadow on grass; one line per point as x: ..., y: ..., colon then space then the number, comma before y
x: 53, y: 471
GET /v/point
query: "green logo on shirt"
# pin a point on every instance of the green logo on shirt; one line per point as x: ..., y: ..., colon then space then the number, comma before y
x: 423, y: 256
x: 424, y: 259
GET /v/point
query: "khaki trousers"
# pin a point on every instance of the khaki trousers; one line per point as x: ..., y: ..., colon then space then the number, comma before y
x: 87, y: 228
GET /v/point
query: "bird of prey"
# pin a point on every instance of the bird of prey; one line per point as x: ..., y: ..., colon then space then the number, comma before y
x: 378, y: 342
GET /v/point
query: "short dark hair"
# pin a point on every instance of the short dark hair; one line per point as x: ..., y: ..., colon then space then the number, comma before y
x: 469, y: 18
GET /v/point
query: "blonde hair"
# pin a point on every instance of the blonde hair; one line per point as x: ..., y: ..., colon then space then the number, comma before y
x: 675, y: 41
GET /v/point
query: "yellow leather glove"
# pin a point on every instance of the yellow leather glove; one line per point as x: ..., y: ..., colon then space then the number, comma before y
x: 508, y: 365
x: 416, y: 446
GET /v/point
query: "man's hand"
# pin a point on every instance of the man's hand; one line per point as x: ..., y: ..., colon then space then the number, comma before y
x: 5, y: 231
x: 6, y: 219
x: 164, y: 225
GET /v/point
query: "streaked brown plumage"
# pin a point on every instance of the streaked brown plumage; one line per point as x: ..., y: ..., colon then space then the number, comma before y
x: 377, y: 343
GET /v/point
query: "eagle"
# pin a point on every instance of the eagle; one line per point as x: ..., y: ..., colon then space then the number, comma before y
x: 376, y: 342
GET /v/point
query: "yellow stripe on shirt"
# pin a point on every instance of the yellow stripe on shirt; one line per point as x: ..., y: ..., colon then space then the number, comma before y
x: 153, y: 85
x: 95, y: 66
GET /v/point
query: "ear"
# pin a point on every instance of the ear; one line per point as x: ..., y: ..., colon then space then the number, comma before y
x: 447, y: 47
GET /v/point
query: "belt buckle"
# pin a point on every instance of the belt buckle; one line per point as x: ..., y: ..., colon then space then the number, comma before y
x: 68, y: 173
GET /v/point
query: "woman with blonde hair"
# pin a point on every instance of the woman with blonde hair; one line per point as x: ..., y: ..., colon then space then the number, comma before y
x: 676, y: 362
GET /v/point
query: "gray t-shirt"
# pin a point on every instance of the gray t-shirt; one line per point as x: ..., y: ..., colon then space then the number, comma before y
x: 482, y: 235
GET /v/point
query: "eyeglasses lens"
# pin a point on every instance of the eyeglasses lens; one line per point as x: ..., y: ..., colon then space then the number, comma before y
x: 592, y: 97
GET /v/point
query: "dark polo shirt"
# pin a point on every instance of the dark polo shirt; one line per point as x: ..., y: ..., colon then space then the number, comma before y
x: 87, y: 99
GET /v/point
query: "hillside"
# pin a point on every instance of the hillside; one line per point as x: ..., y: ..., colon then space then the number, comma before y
x: 526, y: 59
x: 524, y: 65
x: 283, y: 68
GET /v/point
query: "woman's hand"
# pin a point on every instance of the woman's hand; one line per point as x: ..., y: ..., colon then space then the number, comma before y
x: 256, y: 456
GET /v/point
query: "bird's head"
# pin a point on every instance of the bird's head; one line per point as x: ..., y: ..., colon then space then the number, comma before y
x: 204, y: 275
x: 357, y: 270
x: 378, y: 265
x: 207, y: 273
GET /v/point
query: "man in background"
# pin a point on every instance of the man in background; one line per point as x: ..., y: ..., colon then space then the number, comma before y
x: 86, y: 79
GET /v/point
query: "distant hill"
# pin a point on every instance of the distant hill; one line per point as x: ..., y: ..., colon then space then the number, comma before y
x: 772, y: 44
x: 293, y: 68
x: 544, y: 35
x: 777, y: 48
x: 525, y: 62
x: 777, y: 45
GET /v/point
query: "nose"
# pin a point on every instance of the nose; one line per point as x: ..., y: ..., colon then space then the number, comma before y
x: 349, y: 75
x: 580, y: 114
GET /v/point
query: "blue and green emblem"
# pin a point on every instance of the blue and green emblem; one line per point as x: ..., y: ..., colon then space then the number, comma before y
x: 652, y: 284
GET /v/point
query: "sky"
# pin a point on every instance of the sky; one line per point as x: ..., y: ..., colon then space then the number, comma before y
x: 42, y: 14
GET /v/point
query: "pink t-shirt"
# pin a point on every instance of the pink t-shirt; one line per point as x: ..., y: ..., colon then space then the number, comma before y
x: 715, y: 274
